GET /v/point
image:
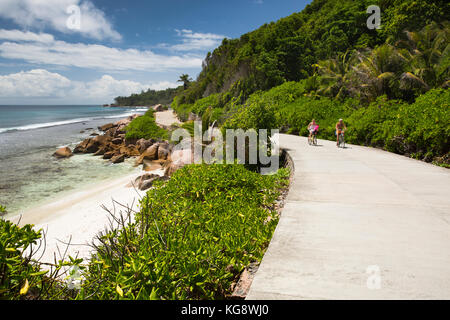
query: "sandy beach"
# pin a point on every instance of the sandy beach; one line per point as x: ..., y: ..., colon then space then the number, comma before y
x: 80, y: 216
x: 166, y: 118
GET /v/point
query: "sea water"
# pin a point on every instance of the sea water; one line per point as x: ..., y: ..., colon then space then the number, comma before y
x: 29, y: 135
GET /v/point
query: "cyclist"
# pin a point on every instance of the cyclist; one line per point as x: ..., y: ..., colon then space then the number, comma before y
x: 340, y: 128
x: 313, y: 127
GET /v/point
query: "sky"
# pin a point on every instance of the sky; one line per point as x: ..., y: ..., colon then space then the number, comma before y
x: 91, y: 51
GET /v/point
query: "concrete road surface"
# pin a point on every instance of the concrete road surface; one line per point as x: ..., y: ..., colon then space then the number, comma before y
x: 358, y: 223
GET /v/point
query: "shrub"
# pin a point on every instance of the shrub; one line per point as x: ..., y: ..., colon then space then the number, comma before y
x: 145, y: 127
x: 201, y: 105
x: 371, y: 126
x: 419, y: 129
x: 183, y: 110
x: 19, y: 277
x: 193, y: 236
x: 423, y: 126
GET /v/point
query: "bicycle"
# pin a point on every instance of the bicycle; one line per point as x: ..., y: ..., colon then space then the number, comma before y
x: 313, y: 139
x: 341, y: 143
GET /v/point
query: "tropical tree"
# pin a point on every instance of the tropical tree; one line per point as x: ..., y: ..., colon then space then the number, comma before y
x: 428, y: 54
x: 335, y: 75
x: 185, y: 79
x: 378, y: 72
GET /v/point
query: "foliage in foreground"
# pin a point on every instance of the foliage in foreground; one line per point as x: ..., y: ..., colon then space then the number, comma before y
x: 145, y: 127
x: 193, y: 236
x: 17, y: 274
x: 21, y: 276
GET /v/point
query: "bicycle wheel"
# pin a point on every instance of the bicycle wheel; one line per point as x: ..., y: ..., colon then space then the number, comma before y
x: 341, y: 141
x: 314, y: 140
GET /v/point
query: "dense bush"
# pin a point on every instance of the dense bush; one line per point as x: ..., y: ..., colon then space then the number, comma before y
x: 192, y: 237
x: 420, y: 129
x: 18, y: 275
x: 21, y: 275
x: 145, y: 127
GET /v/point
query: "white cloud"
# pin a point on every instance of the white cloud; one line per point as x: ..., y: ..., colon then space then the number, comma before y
x: 46, y: 50
x: 17, y: 35
x: 34, y: 83
x: 195, y: 41
x: 40, y: 83
x: 54, y: 14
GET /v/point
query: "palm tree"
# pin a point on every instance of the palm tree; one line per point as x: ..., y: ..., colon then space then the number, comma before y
x: 335, y: 75
x: 378, y: 71
x: 428, y: 54
x: 185, y: 79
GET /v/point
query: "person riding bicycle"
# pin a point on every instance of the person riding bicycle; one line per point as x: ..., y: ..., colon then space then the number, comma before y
x: 313, y: 128
x: 340, y: 128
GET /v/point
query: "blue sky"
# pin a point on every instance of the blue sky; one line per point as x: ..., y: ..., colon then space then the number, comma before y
x: 90, y: 51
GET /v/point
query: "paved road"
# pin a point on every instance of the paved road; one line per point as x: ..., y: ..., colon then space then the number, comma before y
x: 358, y: 223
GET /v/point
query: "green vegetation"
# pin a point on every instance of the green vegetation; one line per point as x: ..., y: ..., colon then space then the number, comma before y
x: 196, y: 232
x: 21, y: 277
x: 288, y: 49
x: 186, y: 80
x: 193, y: 236
x: 145, y: 127
x: 149, y: 97
x: 17, y: 274
x: 2, y: 209
x: 324, y: 63
x: 419, y: 129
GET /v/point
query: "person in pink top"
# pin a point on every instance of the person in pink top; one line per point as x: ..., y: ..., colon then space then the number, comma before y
x: 313, y: 127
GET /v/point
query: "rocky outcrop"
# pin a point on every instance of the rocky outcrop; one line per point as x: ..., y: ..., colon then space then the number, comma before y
x: 163, y: 153
x: 158, y: 108
x: 106, y: 127
x: 151, y: 153
x: 108, y: 155
x: 118, y: 158
x: 146, y: 181
x: 63, y: 152
x: 144, y: 144
x: 150, y: 165
x: 112, y: 145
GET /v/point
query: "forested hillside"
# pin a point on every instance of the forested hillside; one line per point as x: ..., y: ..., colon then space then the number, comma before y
x: 324, y: 62
x: 286, y: 50
x: 149, y: 97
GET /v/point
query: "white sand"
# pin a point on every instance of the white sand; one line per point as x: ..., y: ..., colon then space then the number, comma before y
x: 79, y: 216
x: 166, y: 118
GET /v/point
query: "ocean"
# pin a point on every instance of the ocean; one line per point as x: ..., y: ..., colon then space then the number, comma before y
x: 29, y: 135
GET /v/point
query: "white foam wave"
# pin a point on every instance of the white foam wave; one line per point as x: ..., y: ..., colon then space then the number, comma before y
x: 44, y: 125
x: 70, y: 121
